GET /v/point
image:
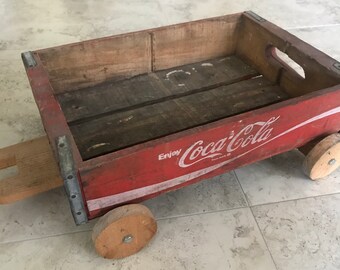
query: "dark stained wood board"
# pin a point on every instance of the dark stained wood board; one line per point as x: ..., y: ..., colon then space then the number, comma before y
x: 89, y: 103
x: 137, y: 124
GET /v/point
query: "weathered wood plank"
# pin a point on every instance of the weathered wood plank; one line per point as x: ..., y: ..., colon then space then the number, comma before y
x: 37, y: 170
x: 318, y: 67
x: 181, y: 44
x: 151, y: 88
x: 91, y: 62
x: 120, y: 130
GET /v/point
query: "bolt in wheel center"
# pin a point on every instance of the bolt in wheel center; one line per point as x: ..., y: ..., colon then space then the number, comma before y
x: 331, y: 162
x: 127, y: 239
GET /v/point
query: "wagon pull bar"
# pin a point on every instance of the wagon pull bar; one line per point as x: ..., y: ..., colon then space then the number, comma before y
x: 37, y: 170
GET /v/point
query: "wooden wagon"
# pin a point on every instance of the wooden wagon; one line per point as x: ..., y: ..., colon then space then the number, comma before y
x: 131, y: 116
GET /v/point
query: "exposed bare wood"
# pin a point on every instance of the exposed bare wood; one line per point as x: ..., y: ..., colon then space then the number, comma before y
x: 38, y: 171
x: 92, y: 62
x: 324, y: 158
x: 182, y: 44
x: 261, y: 37
x: 124, y: 231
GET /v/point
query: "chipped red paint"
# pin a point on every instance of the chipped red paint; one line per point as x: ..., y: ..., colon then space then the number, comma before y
x: 138, y: 173
x: 146, y: 170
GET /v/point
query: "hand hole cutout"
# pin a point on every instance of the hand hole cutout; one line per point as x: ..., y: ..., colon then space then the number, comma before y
x: 287, y: 63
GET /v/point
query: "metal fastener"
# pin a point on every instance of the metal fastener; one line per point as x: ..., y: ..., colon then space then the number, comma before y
x: 127, y: 239
x: 337, y: 65
x: 71, y: 183
x: 331, y: 162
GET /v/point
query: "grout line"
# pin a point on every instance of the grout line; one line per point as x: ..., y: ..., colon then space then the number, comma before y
x: 264, y: 239
x: 188, y: 215
x: 251, y: 210
x: 214, y: 211
x: 202, y: 213
x: 296, y: 199
x: 312, y: 26
x: 89, y: 230
x: 43, y: 237
x: 244, y: 194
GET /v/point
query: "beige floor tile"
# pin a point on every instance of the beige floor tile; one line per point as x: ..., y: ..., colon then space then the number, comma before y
x: 42, y: 24
x: 291, y: 13
x: 40, y: 216
x: 222, y: 240
x: 219, y: 193
x: 281, y: 178
x: 49, y: 214
x: 19, y: 115
x: 323, y: 38
x: 303, y: 234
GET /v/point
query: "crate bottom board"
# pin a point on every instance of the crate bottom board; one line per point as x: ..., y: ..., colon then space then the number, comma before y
x: 115, y: 115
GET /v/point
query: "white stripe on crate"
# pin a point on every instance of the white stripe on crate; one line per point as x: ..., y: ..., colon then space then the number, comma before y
x: 107, y: 201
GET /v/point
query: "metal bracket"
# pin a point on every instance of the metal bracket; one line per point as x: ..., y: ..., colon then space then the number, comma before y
x: 337, y: 65
x: 28, y: 59
x: 255, y: 16
x: 70, y: 177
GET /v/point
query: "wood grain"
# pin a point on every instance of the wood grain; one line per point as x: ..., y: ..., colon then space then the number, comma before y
x: 182, y: 44
x: 133, y: 220
x: 127, y: 128
x: 91, y: 62
x: 264, y: 36
x: 38, y: 170
x: 151, y: 88
x: 324, y: 158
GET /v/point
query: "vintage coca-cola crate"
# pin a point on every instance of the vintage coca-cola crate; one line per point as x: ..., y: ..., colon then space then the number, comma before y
x: 135, y: 115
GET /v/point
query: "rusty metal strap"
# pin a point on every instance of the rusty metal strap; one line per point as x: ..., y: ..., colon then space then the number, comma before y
x: 337, y: 66
x: 71, y: 182
x: 28, y: 59
x: 255, y: 16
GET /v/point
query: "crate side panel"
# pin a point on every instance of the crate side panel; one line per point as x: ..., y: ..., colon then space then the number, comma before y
x: 193, y: 42
x: 184, y: 158
x: 255, y: 46
x: 88, y: 63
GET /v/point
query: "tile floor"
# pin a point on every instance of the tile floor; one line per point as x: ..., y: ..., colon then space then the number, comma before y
x: 263, y: 216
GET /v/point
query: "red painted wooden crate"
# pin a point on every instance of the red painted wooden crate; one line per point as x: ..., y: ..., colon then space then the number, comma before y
x: 144, y: 112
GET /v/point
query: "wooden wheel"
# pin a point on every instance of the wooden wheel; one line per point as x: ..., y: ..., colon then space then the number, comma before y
x: 123, y: 231
x: 324, y: 158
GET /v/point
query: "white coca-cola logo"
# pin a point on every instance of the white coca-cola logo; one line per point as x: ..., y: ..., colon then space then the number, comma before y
x: 249, y: 135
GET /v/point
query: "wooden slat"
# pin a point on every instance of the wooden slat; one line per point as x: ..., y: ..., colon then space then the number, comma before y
x: 193, y: 42
x: 88, y: 63
x: 150, y: 88
x: 37, y: 170
x: 113, y: 132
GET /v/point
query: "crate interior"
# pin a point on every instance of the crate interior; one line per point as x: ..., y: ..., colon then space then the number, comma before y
x: 121, y: 91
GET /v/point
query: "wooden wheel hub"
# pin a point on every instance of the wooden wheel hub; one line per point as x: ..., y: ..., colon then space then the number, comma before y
x: 123, y: 231
x: 324, y: 158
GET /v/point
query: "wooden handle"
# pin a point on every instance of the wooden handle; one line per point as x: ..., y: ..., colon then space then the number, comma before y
x: 297, y: 49
x: 6, y: 160
x: 320, y: 70
x: 37, y: 170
